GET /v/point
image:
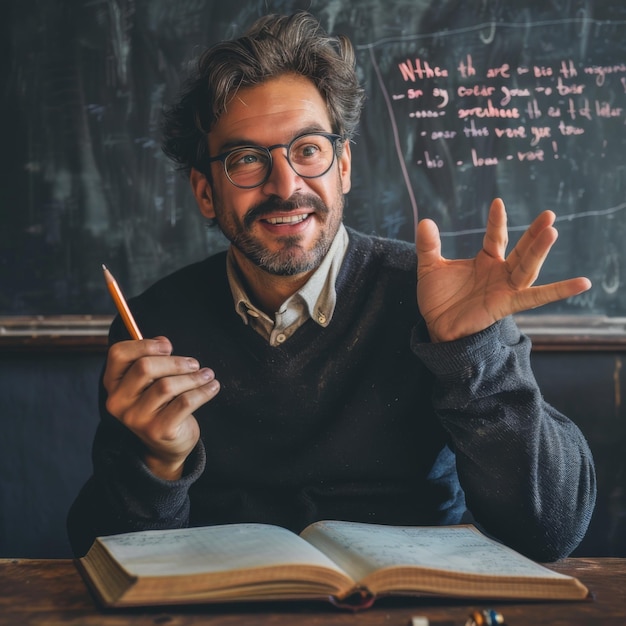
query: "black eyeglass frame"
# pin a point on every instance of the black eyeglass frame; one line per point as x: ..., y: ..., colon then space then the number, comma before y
x: 332, y: 137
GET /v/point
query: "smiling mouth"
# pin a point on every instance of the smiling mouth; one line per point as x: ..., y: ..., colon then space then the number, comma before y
x: 287, y: 219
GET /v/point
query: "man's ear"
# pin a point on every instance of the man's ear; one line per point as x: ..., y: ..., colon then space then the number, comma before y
x: 345, y: 167
x: 203, y: 193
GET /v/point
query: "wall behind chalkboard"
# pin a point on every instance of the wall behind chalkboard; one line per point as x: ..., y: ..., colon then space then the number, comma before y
x: 465, y: 101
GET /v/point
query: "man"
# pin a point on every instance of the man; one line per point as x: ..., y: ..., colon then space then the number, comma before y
x: 337, y: 396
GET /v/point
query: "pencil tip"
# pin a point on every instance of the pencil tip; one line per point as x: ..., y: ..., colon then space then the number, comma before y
x: 104, y: 267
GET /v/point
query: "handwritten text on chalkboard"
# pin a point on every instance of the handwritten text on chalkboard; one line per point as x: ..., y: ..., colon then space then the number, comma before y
x: 554, y: 110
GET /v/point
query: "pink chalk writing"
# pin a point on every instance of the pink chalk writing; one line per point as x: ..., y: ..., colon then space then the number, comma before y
x: 528, y: 110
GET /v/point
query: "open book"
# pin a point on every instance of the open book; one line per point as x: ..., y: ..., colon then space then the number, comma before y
x: 346, y: 562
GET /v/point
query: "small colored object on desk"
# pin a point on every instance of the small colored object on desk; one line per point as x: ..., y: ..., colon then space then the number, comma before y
x: 486, y: 617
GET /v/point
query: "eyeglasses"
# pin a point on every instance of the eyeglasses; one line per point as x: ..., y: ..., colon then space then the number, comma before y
x: 310, y: 155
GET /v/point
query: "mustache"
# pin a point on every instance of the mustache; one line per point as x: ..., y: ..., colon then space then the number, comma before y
x: 275, y: 204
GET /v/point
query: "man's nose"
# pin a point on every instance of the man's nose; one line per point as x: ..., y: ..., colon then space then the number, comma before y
x: 283, y: 180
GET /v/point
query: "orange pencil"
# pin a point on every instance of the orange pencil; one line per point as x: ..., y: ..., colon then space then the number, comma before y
x: 120, y: 303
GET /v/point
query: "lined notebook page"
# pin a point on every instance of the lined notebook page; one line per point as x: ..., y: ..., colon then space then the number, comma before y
x: 459, y: 549
x: 211, y: 549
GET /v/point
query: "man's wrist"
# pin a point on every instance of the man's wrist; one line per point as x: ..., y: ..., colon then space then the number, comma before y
x: 165, y: 470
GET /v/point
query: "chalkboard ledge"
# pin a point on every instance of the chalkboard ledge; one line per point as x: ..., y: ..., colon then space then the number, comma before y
x: 574, y: 332
x: 59, y: 332
x: 89, y: 332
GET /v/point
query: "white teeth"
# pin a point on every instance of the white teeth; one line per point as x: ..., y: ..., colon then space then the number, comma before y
x: 288, y: 219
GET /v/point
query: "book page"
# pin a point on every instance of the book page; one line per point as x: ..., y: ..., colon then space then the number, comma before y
x: 211, y: 549
x: 361, y: 549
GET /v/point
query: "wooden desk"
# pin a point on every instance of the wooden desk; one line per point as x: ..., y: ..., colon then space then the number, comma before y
x: 46, y: 592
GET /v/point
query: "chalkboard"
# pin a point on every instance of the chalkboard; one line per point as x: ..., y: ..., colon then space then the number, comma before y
x: 466, y: 100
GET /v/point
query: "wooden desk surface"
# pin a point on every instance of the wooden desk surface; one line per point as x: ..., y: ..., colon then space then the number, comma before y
x: 46, y: 592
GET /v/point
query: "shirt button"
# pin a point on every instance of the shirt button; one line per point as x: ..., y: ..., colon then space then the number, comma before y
x: 280, y: 337
x: 321, y: 318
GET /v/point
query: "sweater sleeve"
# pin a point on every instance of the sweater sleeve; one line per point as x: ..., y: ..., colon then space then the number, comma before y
x: 526, y: 469
x: 122, y: 495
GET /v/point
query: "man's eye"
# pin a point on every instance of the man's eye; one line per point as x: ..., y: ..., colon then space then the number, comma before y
x: 245, y: 159
x: 306, y: 151
x: 310, y: 150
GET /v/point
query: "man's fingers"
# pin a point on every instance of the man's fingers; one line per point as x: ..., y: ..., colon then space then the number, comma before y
x: 124, y: 354
x: 534, y: 297
x: 161, y: 411
x: 427, y: 243
x: 154, y: 382
x: 142, y: 374
x: 496, y: 236
x: 544, y: 221
x: 527, y: 263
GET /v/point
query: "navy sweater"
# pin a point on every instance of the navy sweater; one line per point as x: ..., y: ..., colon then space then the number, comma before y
x: 363, y: 420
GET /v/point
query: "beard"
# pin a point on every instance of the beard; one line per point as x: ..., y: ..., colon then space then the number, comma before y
x: 292, y: 258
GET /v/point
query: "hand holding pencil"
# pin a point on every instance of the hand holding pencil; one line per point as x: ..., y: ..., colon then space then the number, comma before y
x: 154, y: 393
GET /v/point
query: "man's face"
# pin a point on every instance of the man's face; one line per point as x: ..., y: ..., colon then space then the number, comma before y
x: 286, y: 225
